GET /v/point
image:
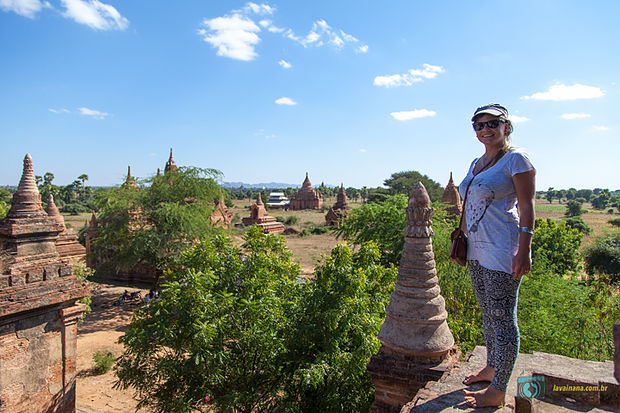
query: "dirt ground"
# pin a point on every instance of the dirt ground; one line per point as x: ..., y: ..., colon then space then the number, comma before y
x: 99, y: 331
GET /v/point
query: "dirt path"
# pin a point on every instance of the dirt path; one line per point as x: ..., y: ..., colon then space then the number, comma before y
x: 100, y: 332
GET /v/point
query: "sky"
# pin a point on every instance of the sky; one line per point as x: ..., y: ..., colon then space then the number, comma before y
x: 349, y: 92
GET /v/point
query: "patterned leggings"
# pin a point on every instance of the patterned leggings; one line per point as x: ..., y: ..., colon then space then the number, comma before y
x: 497, y: 295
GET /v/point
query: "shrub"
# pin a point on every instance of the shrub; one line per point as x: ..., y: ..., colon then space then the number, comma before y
x: 579, y: 224
x: 604, y: 257
x: 610, y: 211
x: 291, y: 220
x: 279, y: 218
x: 104, y: 360
x: 557, y: 244
x: 615, y: 222
x: 573, y: 209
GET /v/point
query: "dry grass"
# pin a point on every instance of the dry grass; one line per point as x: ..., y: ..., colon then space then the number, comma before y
x: 76, y: 222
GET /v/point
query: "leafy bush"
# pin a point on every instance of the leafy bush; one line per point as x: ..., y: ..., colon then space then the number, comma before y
x: 579, y: 224
x: 557, y: 244
x: 615, y: 222
x: 279, y: 218
x: 604, y: 257
x: 237, y: 325
x: 339, y: 320
x: 562, y: 316
x: 573, y: 209
x: 4, y: 209
x: 104, y: 360
x: 382, y: 223
x: 291, y: 220
x: 74, y: 209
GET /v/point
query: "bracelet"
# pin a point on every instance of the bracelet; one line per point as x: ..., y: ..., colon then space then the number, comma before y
x: 526, y: 229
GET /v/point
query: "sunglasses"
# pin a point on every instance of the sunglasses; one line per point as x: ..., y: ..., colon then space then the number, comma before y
x: 491, y: 124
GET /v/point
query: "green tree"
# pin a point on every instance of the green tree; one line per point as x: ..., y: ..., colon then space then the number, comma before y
x: 604, y: 257
x: 219, y: 329
x: 551, y: 194
x: 556, y: 245
x: 151, y: 226
x: 601, y: 199
x: 48, y: 178
x: 339, y: 320
x: 382, y: 223
x: 403, y: 182
x: 573, y: 209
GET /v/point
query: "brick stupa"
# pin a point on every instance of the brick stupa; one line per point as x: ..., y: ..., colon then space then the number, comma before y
x: 38, y: 310
x: 337, y: 213
x: 416, y: 343
x: 67, y: 243
x: 171, y: 165
x: 306, y: 197
x: 221, y: 216
x: 451, y: 196
x: 259, y: 217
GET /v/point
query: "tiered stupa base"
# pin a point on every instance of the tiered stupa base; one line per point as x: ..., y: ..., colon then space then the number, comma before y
x: 269, y: 225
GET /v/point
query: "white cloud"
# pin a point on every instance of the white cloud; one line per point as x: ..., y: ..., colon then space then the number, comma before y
x: 561, y: 92
x: 413, y: 114
x: 570, y: 116
x: 518, y: 119
x: 286, y: 101
x: 284, y: 64
x: 94, y: 113
x: 57, y: 111
x: 93, y: 13
x: 409, y: 78
x: 601, y: 128
x: 233, y: 36
x: 26, y: 8
x: 236, y: 34
x: 362, y: 150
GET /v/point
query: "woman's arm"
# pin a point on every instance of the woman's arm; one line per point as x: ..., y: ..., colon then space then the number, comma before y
x: 526, y: 194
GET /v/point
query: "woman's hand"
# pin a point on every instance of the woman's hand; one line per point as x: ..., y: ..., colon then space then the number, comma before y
x: 521, y: 264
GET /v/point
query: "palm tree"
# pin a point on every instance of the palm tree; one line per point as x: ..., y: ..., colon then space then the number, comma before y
x: 83, y: 178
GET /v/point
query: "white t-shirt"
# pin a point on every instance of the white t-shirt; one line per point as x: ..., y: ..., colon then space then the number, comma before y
x: 491, y: 218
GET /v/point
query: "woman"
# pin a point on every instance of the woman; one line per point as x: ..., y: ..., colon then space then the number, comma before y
x: 499, y: 222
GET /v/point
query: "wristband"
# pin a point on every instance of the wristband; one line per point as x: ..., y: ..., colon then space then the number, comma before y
x: 526, y: 229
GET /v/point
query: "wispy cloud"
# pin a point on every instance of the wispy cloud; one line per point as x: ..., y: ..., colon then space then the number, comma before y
x: 285, y: 64
x: 571, y: 116
x: 94, y: 113
x: 236, y: 34
x: 362, y: 150
x: 95, y: 14
x: 286, y: 101
x: 413, y: 114
x: 518, y: 119
x: 26, y: 8
x: 560, y: 92
x: 58, y: 111
x: 409, y: 78
x: 601, y: 128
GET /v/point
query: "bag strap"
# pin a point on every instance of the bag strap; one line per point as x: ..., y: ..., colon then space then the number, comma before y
x: 492, y: 161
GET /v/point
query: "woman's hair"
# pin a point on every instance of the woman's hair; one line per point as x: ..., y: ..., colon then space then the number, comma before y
x: 508, y: 129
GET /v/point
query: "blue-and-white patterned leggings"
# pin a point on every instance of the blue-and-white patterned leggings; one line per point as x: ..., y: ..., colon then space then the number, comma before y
x: 497, y: 295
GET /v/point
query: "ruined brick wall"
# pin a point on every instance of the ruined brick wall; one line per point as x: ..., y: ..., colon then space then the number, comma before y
x: 38, y: 362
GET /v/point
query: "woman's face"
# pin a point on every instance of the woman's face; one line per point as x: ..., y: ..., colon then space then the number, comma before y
x: 491, y: 137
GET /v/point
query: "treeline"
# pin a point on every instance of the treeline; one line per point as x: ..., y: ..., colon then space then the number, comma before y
x: 600, y: 198
x: 397, y: 183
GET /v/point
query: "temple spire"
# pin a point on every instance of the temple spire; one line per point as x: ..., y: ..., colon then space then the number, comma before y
x: 52, y: 212
x: 171, y: 164
x: 26, y: 200
x: 259, y: 200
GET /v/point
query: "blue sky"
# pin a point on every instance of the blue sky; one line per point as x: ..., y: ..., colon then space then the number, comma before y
x: 265, y: 91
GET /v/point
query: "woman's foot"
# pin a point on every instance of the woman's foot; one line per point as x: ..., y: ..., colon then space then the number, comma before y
x: 489, y: 397
x: 486, y: 374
